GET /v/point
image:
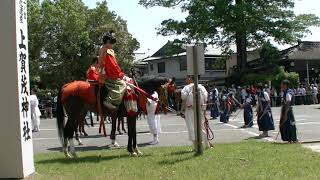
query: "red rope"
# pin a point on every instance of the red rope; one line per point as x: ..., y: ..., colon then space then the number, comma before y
x: 209, y: 131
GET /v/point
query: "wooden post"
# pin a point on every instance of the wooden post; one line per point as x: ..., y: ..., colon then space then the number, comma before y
x: 196, y: 100
x: 308, y: 78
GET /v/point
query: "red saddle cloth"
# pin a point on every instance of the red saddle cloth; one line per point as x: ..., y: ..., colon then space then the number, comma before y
x: 83, y: 89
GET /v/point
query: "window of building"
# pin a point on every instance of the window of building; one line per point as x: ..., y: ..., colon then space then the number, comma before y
x: 151, y: 67
x: 212, y: 63
x: 183, y: 64
x: 161, y: 67
x: 209, y: 63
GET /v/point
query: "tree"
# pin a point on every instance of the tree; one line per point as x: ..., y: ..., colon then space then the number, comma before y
x: 35, y: 39
x: 246, y: 23
x: 281, y: 75
x: 269, y: 54
x: 64, y: 36
x: 276, y: 75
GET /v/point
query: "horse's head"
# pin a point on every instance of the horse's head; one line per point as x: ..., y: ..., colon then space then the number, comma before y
x: 154, y: 84
x: 158, y: 84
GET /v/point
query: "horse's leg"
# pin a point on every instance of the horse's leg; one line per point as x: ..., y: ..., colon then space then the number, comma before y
x: 130, y: 137
x: 76, y: 116
x: 123, y: 128
x: 134, y: 136
x: 113, y: 132
x: 68, y: 133
x: 82, y: 125
x: 78, y: 133
x: 120, y: 119
x: 80, y: 129
x: 72, y: 148
x: 76, y: 112
x: 91, y: 118
x: 65, y: 149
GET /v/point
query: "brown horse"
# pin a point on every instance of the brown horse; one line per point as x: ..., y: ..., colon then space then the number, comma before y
x: 77, y: 98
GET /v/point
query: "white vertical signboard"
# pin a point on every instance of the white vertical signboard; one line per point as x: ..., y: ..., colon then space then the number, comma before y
x: 16, y: 152
x: 24, y: 86
x: 200, y: 57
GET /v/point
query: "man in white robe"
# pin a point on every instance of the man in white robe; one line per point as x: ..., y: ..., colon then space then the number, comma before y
x: 187, y: 99
x: 153, y: 119
x: 35, y: 111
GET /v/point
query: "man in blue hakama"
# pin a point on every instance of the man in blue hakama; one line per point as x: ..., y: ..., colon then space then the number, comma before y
x: 265, y: 119
x: 214, y: 111
x: 226, y: 105
x: 287, y: 125
x: 247, y: 110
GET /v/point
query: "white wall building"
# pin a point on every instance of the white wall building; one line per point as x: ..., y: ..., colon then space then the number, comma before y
x: 176, y: 66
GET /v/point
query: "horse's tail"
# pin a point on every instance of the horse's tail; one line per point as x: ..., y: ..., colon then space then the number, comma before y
x: 60, y: 117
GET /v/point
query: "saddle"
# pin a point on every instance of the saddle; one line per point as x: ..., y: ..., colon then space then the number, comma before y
x: 101, y: 93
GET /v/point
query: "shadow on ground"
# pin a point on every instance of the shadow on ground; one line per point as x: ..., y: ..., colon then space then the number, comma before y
x: 85, y: 159
x: 175, y: 157
x: 85, y: 148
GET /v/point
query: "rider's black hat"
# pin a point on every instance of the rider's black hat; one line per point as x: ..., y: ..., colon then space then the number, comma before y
x: 109, y: 37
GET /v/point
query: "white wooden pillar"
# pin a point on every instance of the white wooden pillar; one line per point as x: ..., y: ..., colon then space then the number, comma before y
x: 16, y: 149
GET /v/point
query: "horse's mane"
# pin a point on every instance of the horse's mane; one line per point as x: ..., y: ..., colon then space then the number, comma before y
x: 151, y: 85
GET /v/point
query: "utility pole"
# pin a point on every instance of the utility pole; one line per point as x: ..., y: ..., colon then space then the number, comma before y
x: 196, y: 100
x: 308, y: 78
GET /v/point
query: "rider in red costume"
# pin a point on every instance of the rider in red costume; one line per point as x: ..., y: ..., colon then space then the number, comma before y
x: 114, y: 79
x: 93, y: 71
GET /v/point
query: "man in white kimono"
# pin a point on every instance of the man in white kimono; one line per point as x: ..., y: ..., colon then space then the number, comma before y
x: 187, y: 100
x: 153, y: 119
x: 35, y: 111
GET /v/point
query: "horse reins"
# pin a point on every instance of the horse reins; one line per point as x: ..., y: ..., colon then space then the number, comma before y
x: 210, y: 134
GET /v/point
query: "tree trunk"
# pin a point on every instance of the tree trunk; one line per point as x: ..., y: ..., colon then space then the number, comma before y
x: 241, y: 42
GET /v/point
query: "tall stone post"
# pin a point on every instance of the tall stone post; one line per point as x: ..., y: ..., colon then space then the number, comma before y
x: 16, y: 152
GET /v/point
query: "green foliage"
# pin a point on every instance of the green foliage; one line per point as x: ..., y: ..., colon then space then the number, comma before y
x: 171, y: 48
x: 269, y: 54
x: 221, y: 22
x: 64, y: 36
x: 219, y: 64
x: 253, y: 78
x: 281, y: 75
x: 276, y: 76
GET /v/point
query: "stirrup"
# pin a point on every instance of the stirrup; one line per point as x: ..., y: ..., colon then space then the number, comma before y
x: 110, y: 106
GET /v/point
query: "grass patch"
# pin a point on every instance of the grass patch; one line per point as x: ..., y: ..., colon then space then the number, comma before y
x: 246, y: 160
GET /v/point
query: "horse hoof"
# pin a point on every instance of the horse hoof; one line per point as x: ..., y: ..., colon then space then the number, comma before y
x: 115, y: 145
x: 80, y: 144
x: 133, y: 154
x: 138, y: 152
x: 74, y: 155
x: 67, y: 155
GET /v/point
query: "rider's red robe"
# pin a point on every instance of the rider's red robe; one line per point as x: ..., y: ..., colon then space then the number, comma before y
x: 93, y: 74
x: 111, y: 67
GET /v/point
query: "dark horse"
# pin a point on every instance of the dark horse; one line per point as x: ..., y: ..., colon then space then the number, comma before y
x: 77, y: 98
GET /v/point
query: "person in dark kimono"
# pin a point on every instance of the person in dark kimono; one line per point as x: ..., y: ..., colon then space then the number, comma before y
x: 215, y: 112
x: 265, y: 119
x: 287, y: 125
x: 247, y: 110
x: 226, y: 105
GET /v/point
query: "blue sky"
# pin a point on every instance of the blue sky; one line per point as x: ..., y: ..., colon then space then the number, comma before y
x: 142, y: 22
